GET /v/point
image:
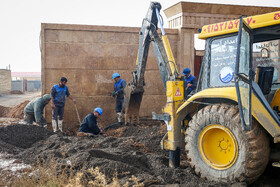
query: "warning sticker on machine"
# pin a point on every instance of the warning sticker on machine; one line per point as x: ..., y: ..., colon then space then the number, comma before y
x: 178, y: 92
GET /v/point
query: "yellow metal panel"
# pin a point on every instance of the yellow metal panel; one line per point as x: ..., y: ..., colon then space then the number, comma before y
x: 233, y: 25
x: 174, y: 94
x: 169, y: 54
x: 276, y: 99
x: 258, y: 110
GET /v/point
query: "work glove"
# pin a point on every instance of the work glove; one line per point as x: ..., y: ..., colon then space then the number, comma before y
x: 114, y: 94
x: 41, y: 122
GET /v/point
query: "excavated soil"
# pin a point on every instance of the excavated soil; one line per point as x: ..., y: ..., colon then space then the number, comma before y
x: 127, y: 150
x: 13, y: 112
x: 4, y: 111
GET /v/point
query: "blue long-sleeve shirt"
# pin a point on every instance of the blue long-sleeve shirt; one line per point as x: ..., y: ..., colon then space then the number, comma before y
x: 119, y: 88
x: 58, y: 93
x: 89, y: 125
x: 193, y: 81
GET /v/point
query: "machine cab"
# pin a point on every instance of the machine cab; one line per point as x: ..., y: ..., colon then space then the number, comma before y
x: 245, y: 56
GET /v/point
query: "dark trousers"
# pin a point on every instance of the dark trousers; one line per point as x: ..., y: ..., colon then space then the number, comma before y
x: 29, y: 118
x: 119, y: 105
x: 58, y: 111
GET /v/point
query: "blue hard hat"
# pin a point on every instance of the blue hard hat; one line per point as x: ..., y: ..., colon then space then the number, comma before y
x: 115, y: 75
x: 186, y: 71
x: 99, y: 110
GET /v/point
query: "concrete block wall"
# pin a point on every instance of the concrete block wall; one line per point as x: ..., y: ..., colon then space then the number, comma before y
x: 18, y: 85
x: 33, y: 85
x: 88, y: 56
x: 5, y: 81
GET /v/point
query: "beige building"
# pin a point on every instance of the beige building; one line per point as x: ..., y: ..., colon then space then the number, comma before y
x: 5, y: 81
x: 26, y: 75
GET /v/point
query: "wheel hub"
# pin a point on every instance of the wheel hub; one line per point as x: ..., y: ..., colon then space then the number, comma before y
x: 218, y: 146
x: 224, y: 145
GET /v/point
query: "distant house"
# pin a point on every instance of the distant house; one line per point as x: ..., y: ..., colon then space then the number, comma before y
x: 26, y: 75
x: 5, y: 81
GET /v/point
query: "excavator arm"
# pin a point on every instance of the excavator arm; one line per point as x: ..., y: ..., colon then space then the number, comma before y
x: 164, y: 56
x: 171, y: 79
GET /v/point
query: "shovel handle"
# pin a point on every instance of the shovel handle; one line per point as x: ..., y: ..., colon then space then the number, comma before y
x: 77, y: 113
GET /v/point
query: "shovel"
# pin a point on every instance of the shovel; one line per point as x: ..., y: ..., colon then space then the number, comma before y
x: 77, y: 113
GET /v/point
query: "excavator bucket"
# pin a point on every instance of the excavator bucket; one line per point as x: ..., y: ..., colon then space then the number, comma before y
x: 132, y: 103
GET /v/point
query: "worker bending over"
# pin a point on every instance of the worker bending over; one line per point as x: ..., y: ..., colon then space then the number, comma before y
x: 119, y: 94
x: 33, y: 111
x: 190, y: 82
x: 89, y: 126
x: 58, y: 93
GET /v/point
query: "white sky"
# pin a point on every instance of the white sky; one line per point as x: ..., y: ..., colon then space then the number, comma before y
x: 21, y: 22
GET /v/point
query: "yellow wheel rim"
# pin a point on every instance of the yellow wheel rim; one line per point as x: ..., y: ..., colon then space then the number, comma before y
x: 218, y: 146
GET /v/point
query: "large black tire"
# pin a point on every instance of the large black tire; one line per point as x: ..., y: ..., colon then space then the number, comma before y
x: 253, y: 146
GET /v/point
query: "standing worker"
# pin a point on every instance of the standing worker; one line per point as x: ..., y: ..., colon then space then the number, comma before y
x: 33, y: 111
x: 190, y: 82
x: 119, y: 93
x: 89, y: 126
x: 58, y: 93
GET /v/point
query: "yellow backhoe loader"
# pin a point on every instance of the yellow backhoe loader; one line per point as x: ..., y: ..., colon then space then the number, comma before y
x: 231, y: 124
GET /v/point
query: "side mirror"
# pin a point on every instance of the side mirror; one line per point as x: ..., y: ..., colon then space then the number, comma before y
x: 264, y: 78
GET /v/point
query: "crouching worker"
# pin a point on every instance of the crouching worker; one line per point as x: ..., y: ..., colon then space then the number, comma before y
x: 33, y: 112
x: 89, y: 126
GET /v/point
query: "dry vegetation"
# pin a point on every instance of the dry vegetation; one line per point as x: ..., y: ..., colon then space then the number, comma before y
x: 51, y: 174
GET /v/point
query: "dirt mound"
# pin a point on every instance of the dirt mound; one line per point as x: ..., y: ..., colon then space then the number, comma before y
x: 17, y: 111
x: 132, y: 150
x: 16, y: 92
x: 23, y: 136
x: 13, y: 112
x: 4, y: 111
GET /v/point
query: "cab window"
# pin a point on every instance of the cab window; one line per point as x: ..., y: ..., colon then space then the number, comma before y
x: 266, y: 54
x: 222, y: 61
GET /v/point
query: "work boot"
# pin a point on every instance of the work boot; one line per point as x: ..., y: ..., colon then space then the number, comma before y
x: 54, y: 125
x: 119, y: 117
x: 60, y: 125
x: 81, y: 134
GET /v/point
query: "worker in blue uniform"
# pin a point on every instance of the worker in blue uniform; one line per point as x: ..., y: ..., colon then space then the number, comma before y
x: 190, y: 82
x: 89, y: 126
x: 119, y: 94
x: 58, y: 93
